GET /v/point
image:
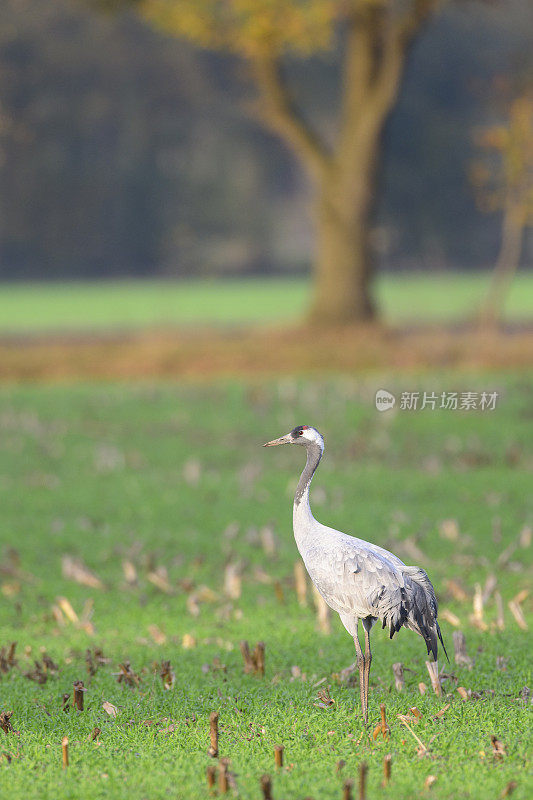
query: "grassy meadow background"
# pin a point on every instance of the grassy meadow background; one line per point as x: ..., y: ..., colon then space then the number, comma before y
x: 174, y: 176
x: 159, y: 492
x: 431, y: 297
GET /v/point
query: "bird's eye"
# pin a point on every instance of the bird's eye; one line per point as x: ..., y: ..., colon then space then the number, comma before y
x: 300, y: 433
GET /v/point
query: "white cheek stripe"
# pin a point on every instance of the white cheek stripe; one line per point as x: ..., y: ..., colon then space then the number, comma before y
x: 312, y: 435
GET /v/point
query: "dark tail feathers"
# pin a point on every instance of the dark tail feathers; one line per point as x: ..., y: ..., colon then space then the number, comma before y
x: 442, y: 641
x: 422, y: 613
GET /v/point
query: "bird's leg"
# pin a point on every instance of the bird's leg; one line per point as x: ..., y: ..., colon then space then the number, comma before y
x: 368, y: 662
x: 361, y: 666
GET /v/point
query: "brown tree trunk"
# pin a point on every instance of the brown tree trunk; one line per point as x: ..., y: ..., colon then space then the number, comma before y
x: 506, y: 266
x: 344, y: 265
x: 378, y: 41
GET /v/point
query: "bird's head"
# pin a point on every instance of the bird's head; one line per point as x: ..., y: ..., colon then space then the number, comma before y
x: 302, y: 434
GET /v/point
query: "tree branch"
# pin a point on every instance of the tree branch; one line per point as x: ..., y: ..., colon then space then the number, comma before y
x: 280, y: 113
x: 359, y: 61
x: 376, y: 51
x: 398, y: 38
x: 414, y: 20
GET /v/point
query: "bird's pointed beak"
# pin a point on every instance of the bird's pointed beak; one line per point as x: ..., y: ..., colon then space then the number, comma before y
x: 282, y: 440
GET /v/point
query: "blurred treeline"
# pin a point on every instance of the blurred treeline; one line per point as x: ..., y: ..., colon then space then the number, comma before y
x: 124, y: 152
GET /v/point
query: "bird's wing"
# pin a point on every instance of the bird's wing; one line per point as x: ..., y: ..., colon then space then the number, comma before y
x: 354, y: 578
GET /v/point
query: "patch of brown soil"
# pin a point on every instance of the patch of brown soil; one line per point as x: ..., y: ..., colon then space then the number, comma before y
x: 211, y: 352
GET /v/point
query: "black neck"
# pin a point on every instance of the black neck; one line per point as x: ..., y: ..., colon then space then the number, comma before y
x: 314, y: 454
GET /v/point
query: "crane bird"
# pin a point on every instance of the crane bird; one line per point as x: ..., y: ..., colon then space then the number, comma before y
x: 361, y: 581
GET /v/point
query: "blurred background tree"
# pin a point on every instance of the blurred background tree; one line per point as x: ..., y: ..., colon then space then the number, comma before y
x: 126, y: 152
x: 376, y: 39
x: 503, y: 181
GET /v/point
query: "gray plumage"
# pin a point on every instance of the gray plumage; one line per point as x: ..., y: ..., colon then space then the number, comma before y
x: 359, y: 580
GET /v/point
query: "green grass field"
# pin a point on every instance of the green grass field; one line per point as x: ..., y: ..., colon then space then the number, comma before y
x: 174, y: 477
x: 133, y: 304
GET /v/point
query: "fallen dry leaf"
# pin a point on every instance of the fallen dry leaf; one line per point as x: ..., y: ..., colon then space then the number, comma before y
x: 74, y: 569
x: 449, y: 529
x: 110, y: 709
x: 127, y: 675
x: 10, y: 588
x: 456, y: 590
x: 157, y: 634
x: 159, y: 578
x: 66, y: 607
x: 517, y: 613
x: 525, y: 537
x: 172, y: 728
x: 450, y: 617
x: 130, y: 573
x: 324, y: 698
x: 5, y: 722
x: 192, y: 605
x: 232, y: 580
x: 441, y: 712
x: 498, y: 748
x: 192, y: 471
x: 168, y: 676
x: 268, y: 540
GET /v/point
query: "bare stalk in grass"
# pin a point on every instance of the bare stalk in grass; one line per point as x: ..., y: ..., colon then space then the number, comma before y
x: 478, y: 605
x: 500, y: 621
x: 387, y: 764
x: 96, y: 731
x: 459, y: 645
x: 266, y: 787
x: 322, y: 612
x: 399, y: 680
x: 213, y: 732
x: 247, y: 657
x: 300, y: 581
x: 210, y: 775
x: 433, y: 669
x: 278, y: 591
x: 79, y: 691
x: 422, y: 746
x: 515, y: 607
x: 363, y: 769
x: 347, y: 787
x: 223, y: 782
x: 259, y: 658
x: 64, y: 745
x: 385, y: 730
